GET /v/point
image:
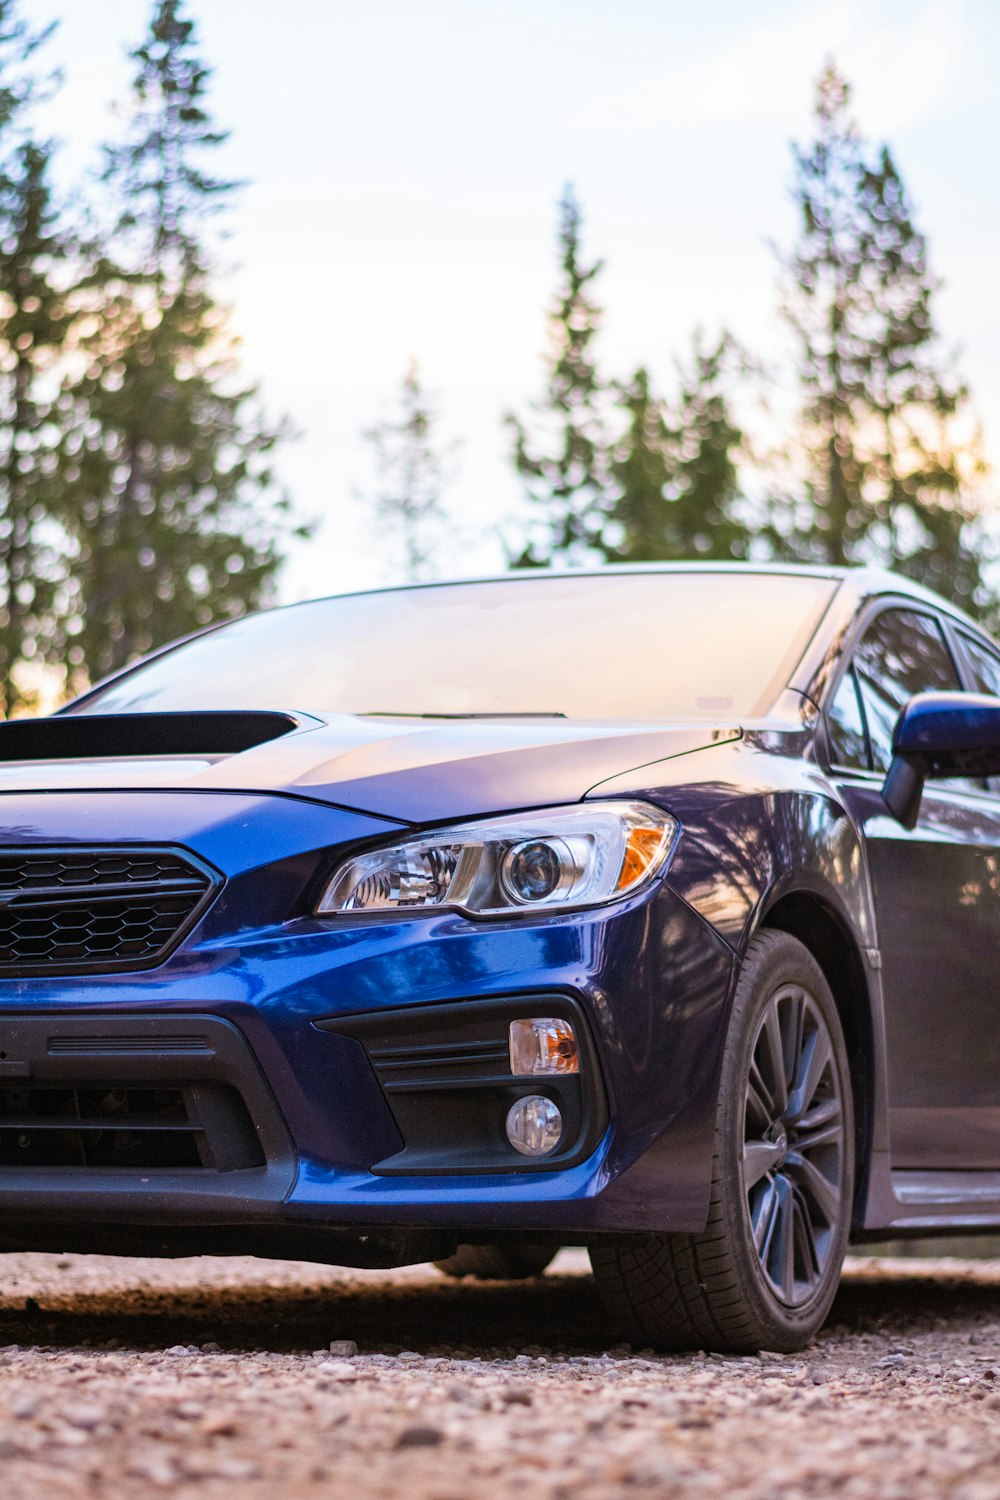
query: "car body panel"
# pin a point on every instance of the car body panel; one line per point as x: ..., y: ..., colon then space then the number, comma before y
x: 273, y: 979
x: 411, y: 771
x: 762, y: 817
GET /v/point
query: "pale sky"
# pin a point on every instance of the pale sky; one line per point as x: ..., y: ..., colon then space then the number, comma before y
x: 405, y: 156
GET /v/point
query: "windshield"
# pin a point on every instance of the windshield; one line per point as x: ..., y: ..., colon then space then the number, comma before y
x: 609, y: 646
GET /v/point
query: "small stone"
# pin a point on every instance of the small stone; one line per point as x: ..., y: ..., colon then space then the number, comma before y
x: 176, y: 1350
x: 420, y: 1436
x: 86, y: 1418
x: 219, y: 1424
x: 343, y: 1348
x: 517, y: 1395
x: 409, y: 1357
x: 337, y: 1369
x: 159, y: 1471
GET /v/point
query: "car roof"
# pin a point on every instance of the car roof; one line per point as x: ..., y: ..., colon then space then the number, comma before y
x: 861, y: 582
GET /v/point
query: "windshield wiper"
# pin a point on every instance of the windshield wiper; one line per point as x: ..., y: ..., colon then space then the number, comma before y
x: 385, y: 713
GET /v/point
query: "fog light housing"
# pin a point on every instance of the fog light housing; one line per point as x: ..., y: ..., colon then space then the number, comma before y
x: 534, y: 1125
x: 543, y: 1045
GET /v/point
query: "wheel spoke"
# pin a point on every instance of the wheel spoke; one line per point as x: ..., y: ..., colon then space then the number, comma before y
x: 785, y: 1242
x: 822, y: 1126
x: 758, y: 1159
x: 816, y: 1055
x: 793, y: 1004
x: 763, y: 1220
x: 814, y: 1187
x: 759, y: 1101
x: 806, y: 1243
x: 773, y: 1059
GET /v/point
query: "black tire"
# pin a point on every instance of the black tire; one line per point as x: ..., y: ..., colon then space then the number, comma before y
x: 514, y: 1262
x: 764, y: 1271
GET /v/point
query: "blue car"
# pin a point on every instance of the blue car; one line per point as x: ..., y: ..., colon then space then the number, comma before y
x: 652, y: 909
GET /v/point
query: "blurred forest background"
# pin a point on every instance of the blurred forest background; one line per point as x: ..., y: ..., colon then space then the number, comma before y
x: 140, y: 495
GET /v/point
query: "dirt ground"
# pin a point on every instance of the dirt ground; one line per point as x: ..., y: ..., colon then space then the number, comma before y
x: 209, y: 1378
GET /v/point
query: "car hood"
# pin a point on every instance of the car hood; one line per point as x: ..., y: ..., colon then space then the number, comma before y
x: 411, y: 770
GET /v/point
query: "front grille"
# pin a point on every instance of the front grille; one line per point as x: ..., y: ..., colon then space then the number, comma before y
x: 81, y: 909
x: 146, y: 1126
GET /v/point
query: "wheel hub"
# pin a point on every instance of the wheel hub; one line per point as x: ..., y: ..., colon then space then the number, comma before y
x: 780, y: 1146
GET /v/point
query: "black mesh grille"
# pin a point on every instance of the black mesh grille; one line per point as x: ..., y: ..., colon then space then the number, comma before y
x: 143, y: 1125
x: 74, y: 910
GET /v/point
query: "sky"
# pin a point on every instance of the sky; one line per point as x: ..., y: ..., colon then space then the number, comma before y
x: 403, y: 161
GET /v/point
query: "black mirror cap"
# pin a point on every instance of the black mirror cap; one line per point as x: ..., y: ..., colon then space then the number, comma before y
x: 950, y: 734
x: 939, y: 735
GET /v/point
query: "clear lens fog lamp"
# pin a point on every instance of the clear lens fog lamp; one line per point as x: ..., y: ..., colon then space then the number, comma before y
x: 534, y: 1125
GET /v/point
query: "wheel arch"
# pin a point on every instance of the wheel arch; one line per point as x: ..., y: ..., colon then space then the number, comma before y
x: 804, y: 915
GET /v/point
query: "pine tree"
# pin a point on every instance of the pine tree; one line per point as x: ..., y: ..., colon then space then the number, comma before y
x: 34, y: 324
x: 33, y: 330
x: 563, y: 464
x: 674, y: 469
x: 412, y: 471
x: 168, y: 482
x: 888, y: 477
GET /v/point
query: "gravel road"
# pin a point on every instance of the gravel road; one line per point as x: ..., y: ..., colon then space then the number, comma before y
x: 209, y: 1378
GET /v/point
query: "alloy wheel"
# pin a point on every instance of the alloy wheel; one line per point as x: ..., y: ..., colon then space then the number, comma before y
x: 793, y: 1146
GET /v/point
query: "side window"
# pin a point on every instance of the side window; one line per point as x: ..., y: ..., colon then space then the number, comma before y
x: 984, y: 664
x: 846, y: 727
x: 901, y: 653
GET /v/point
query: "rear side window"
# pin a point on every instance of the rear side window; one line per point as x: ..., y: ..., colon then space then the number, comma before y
x: 901, y: 653
x: 984, y: 664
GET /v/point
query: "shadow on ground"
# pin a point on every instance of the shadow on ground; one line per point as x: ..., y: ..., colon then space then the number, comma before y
x: 428, y: 1314
x: 420, y: 1315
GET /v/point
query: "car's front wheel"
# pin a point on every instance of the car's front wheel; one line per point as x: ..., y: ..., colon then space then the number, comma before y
x: 763, y: 1273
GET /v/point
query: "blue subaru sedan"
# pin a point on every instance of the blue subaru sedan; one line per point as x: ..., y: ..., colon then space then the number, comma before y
x: 651, y: 909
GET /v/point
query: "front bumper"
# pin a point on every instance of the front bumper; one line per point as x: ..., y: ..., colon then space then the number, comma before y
x: 287, y: 1010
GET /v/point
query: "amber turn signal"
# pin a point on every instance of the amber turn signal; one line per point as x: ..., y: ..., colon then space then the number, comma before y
x: 543, y: 1045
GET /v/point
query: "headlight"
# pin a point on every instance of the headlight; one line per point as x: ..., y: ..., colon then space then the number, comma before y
x: 539, y: 861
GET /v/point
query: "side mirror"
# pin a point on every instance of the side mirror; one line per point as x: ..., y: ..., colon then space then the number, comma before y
x: 939, y: 735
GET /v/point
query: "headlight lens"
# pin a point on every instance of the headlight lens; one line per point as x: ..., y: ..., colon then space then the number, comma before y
x: 579, y: 856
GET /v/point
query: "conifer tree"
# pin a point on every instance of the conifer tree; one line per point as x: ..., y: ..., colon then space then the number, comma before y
x: 412, y: 471
x: 563, y: 462
x: 674, y: 471
x: 888, y: 476
x: 34, y: 322
x: 168, y: 482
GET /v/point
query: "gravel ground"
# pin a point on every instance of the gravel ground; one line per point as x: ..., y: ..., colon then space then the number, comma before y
x: 249, y: 1378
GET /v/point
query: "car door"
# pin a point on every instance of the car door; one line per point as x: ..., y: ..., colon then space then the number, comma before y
x: 937, y: 902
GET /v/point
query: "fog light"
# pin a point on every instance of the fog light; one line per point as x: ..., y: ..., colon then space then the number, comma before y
x: 543, y: 1044
x: 534, y: 1125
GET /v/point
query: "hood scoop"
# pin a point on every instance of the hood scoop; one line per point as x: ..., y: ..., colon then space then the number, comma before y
x: 103, y: 736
